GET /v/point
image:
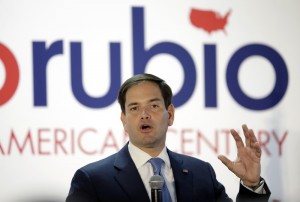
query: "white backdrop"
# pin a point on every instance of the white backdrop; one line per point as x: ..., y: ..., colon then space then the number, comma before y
x: 43, y: 142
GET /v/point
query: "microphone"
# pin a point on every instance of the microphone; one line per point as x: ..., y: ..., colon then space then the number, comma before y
x: 156, y: 183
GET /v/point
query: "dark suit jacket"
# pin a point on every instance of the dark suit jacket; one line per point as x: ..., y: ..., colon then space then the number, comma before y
x: 116, y: 179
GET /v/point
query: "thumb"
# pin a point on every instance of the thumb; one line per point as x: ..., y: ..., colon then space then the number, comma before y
x: 226, y: 161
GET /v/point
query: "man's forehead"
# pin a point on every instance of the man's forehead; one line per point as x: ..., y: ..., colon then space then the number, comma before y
x: 145, y: 101
x: 143, y: 89
x: 144, y: 93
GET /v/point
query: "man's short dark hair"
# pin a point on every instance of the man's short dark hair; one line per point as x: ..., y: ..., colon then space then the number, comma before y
x: 165, y: 89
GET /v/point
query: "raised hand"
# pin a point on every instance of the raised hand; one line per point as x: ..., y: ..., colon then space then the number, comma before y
x: 247, y: 165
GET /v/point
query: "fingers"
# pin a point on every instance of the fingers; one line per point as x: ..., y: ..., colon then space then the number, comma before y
x: 251, y: 140
x: 247, y: 135
x: 257, y: 149
x: 238, y: 140
x: 229, y: 164
x: 252, y: 136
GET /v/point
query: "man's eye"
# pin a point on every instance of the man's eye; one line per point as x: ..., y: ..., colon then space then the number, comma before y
x: 155, y: 106
x: 133, y: 108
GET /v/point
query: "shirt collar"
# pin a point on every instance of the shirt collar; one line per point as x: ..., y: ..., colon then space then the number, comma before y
x: 140, y: 157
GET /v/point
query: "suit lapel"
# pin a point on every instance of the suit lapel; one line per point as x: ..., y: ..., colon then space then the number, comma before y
x: 128, y: 177
x: 183, y: 178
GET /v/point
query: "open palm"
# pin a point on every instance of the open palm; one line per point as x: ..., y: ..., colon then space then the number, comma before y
x: 247, y: 165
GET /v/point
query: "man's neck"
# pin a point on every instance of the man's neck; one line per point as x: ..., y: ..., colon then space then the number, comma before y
x: 152, y: 151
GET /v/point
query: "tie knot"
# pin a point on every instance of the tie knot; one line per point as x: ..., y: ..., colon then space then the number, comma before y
x: 156, y: 164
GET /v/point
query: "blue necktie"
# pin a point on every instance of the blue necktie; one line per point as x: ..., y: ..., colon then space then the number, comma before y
x: 157, y: 164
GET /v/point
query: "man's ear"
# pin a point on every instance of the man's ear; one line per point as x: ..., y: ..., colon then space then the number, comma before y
x: 123, y: 119
x: 171, y: 112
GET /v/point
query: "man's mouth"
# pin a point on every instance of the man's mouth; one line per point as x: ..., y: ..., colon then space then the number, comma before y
x: 145, y: 127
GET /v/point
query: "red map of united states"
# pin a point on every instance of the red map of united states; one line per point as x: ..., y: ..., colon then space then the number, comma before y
x: 208, y: 20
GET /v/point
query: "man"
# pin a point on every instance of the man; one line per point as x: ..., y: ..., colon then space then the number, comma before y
x: 147, y: 112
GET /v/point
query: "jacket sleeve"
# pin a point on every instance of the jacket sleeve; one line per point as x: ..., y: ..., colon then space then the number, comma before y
x: 219, y: 189
x: 81, y: 188
x: 246, y: 195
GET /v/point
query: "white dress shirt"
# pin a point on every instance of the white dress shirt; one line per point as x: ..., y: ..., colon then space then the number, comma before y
x: 141, y: 158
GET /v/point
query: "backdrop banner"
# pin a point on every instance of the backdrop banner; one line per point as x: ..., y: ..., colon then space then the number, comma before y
x: 228, y: 63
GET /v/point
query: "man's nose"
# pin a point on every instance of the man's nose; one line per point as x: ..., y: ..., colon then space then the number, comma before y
x: 145, y: 114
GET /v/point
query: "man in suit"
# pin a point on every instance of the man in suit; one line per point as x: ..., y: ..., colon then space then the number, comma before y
x: 147, y: 112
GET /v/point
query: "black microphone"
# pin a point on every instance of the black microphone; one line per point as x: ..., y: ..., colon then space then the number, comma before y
x: 156, y: 183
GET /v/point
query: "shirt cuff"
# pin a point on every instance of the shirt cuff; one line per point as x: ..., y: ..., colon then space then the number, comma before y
x: 259, y: 190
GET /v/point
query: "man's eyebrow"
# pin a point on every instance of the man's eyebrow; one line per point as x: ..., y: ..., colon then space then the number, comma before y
x: 151, y: 100
x: 132, y: 104
x: 155, y: 99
